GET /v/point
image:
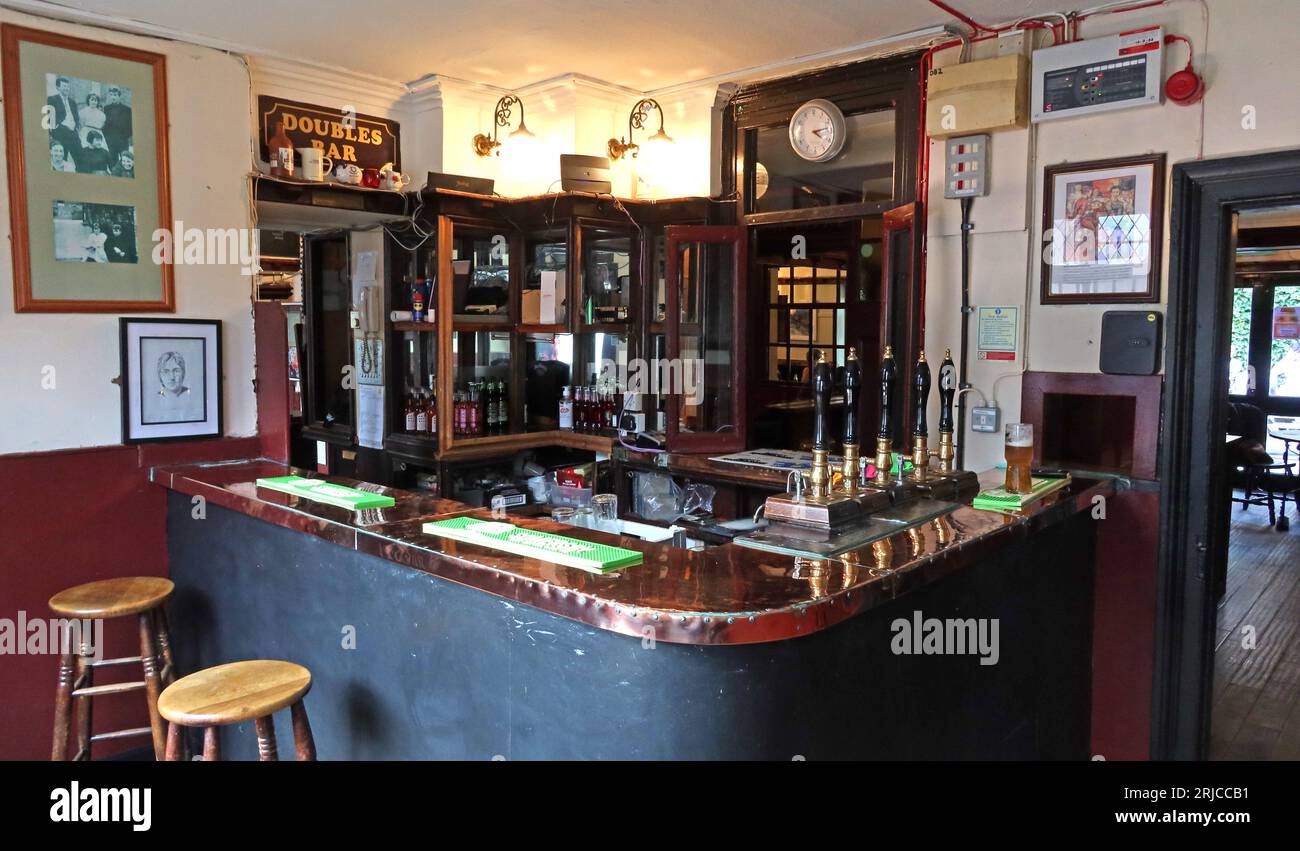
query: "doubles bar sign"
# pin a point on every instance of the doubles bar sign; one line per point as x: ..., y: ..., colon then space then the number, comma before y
x: 344, y: 136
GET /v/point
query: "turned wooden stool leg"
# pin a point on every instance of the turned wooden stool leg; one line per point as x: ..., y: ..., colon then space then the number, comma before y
x: 175, y: 750
x: 211, y: 750
x: 63, y: 705
x: 149, y: 660
x: 303, y: 744
x: 161, y: 629
x: 266, y: 751
x: 81, y: 705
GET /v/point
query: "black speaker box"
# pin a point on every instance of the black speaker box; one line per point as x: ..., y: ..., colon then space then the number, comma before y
x: 1130, y: 342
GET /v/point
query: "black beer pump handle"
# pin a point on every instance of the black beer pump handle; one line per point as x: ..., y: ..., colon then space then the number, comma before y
x: 922, y: 386
x: 888, y: 375
x: 821, y: 376
x: 852, y: 385
x: 947, y: 391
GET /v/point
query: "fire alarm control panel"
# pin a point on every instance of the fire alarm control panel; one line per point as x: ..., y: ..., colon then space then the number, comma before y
x: 1098, y: 75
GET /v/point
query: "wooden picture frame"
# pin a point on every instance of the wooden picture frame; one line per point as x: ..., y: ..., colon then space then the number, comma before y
x: 86, y: 143
x: 171, y: 379
x: 1103, y: 231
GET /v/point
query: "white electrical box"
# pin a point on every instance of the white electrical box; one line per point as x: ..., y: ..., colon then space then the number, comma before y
x: 1098, y: 75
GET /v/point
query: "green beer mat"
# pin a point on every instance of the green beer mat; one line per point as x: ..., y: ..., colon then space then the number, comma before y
x: 571, y: 552
x: 1000, y: 499
x: 319, y: 490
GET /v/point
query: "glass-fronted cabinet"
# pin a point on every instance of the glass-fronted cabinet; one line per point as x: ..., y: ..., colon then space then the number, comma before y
x: 609, y: 275
x: 705, y: 340
x: 544, y: 298
x: 480, y: 272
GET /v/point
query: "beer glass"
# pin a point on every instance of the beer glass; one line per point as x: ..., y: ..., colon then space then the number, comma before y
x: 1020, y: 457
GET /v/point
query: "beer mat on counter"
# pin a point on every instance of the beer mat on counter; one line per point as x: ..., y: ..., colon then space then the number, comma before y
x: 1000, y: 499
x: 319, y: 490
x: 570, y: 552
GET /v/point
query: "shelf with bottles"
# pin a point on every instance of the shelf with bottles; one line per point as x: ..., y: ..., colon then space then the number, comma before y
x: 481, y: 402
x: 480, y: 271
x: 413, y: 404
x: 607, y: 276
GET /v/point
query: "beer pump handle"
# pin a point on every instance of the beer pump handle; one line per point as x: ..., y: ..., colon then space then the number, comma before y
x: 947, y: 391
x: 821, y: 376
x: 922, y: 387
x: 852, y: 385
x: 888, y: 375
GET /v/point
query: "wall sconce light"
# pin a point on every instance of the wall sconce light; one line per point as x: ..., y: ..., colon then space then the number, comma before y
x: 484, y: 145
x: 636, y: 121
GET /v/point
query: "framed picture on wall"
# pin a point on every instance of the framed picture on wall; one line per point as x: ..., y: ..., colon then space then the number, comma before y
x: 171, y: 379
x: 86, y: 137
x: 1102, y: 225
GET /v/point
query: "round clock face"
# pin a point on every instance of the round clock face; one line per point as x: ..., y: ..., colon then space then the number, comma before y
x: 817, y: 131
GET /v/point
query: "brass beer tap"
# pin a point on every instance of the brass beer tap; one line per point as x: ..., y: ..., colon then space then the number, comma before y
x: 921, y: 433
x: 821, y: 468
x: 947, y: 391
x: 852, y: 383
x: 884, y: 439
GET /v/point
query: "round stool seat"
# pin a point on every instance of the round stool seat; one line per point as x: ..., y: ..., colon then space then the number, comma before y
x: 113, y: 598
x: 238, y: 691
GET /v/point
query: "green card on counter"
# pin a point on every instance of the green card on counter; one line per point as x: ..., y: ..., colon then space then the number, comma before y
x: 320, y: 490
x: 1000, y: 499
x: 570, y: 552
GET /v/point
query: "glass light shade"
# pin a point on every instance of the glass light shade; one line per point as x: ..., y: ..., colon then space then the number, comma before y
x: 654, y: 159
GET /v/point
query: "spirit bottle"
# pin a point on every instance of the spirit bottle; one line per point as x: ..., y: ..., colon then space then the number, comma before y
x: 409, y: 412
x: 566, y: 410
x: 279, y: 153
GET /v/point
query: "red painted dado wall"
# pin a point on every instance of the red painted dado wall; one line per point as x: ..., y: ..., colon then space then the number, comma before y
x: 74, y: 516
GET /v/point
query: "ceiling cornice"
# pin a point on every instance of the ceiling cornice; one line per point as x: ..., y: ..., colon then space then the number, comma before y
x: 423, y: 89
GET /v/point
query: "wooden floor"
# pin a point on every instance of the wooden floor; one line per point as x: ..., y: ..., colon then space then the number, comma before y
x: 1257, y: 691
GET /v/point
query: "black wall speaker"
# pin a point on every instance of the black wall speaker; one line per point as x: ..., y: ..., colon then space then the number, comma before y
x: 1130, y: 342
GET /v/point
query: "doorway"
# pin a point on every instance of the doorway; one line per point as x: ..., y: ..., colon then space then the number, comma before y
x: 1228, y: 594
x: 816, y: 288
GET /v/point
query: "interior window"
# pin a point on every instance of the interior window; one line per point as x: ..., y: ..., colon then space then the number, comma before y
x: 805, y: 317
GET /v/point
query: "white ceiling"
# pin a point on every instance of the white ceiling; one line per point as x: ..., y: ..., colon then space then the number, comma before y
x: 643, y: 44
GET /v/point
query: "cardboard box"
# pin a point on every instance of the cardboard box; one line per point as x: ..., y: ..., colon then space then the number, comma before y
x: 532, y: 307
x: 977, y: 97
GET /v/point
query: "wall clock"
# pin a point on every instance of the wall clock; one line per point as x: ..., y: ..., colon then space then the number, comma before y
x: 817, y: 130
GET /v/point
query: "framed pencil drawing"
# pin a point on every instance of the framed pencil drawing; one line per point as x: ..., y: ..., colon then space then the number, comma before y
x: 86, y: 143
x: 171, y: 378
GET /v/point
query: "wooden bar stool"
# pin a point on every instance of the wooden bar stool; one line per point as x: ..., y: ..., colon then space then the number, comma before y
x: 240, y: 691
x: 142, y: 596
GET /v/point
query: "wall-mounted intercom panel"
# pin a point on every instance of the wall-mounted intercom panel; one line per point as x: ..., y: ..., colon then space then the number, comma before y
x: 1098, y: 75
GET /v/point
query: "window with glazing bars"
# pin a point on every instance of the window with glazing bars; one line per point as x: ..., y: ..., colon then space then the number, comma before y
x: 805, y: 308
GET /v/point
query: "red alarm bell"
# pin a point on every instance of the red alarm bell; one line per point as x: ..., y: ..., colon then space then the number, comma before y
x: 1184, y: 87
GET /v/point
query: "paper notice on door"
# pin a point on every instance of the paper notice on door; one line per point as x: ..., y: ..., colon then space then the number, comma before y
x: 370, y: 416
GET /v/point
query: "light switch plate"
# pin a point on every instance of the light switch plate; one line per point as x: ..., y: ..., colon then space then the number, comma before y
x: 984, y: 419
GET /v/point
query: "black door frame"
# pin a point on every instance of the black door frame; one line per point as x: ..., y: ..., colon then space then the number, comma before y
x: 1193, y: 483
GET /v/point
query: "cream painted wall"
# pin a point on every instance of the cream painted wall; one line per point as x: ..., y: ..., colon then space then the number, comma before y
x: 208, y: 108
x: 1249, y: 61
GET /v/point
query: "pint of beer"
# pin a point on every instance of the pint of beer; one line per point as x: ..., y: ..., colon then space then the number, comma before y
x: 1020, y: 457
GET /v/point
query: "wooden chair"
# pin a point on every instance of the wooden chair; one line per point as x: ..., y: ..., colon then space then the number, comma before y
x: 237, y: 692
x: 142, y: 596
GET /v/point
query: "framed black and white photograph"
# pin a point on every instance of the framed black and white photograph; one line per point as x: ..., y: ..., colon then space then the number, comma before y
x: 1102, y: 231
x: 86, y: 150
x: 171, y: 379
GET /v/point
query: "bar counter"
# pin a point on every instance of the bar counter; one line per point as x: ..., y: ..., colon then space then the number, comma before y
x: 727, y: 594
x: 443, y: 629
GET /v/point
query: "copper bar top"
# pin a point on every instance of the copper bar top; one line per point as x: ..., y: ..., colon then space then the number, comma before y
x: 726, y: 594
